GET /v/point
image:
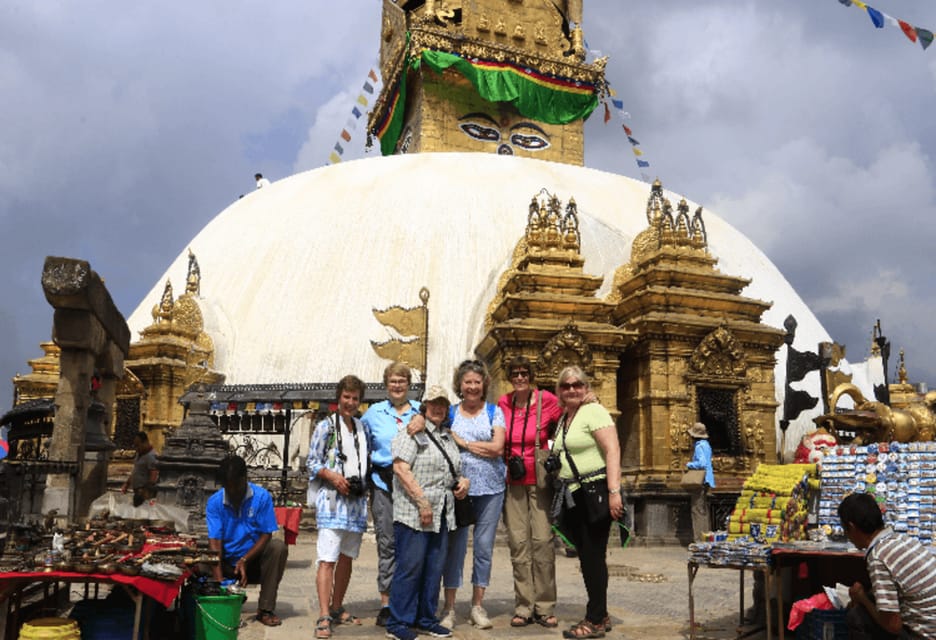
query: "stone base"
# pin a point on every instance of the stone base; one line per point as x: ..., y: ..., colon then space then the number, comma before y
x: 659, y: 519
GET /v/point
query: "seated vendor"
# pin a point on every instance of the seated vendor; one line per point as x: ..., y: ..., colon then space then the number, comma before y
x: 241, y: 522
x: 902, y: 600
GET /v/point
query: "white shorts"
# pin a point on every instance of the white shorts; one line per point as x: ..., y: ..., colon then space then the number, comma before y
x: 332, y: 542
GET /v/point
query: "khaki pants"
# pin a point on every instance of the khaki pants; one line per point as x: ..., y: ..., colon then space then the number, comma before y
x: 698, y: 501
x: 531, y: 550
x: 266, y: 570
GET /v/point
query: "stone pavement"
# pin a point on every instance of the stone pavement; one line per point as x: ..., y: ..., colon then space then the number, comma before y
x: 647, y: 597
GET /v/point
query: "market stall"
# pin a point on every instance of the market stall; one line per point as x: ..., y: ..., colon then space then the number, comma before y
x: 147, y: 559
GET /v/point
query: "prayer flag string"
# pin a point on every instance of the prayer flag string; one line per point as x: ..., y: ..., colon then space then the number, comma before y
x: 358, y: 109
x: 613, y: 103
x: 879, y: 19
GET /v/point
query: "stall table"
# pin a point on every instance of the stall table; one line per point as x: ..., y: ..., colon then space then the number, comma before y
x: 815, y: 568
x: 137, y: 587
x: 693, y: 569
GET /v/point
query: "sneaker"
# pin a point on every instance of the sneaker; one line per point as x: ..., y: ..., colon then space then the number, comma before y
x: 479, y: 618
x: 437, y: 631
x: 383, y: 616
x: 447, y: 619
x: 401, y: 634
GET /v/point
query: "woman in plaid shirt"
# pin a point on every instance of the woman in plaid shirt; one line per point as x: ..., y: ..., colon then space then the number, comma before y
x: 423, y: 513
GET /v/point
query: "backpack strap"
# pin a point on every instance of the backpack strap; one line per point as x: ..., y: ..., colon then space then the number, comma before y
x: 491, y: 409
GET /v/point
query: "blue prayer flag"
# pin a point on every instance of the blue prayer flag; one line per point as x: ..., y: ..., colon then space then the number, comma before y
x: 642, y: 163
x: 876, y: 17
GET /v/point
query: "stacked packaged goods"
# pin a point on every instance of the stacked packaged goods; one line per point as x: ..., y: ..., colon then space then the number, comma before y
x: 773, y: 504
x: 901, y: 476
x: 741, y: 552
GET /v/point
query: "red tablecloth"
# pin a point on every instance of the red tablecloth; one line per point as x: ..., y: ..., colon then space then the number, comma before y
x: 162, y: 591
x: 288, y: 518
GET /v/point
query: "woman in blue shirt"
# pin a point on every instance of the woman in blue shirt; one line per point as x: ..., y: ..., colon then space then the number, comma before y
x: 701, y: 459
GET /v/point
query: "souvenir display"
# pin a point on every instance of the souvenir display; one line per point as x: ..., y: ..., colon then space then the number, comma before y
x: 773, y: 504
x: 901, y: 476
x: 737, y: 552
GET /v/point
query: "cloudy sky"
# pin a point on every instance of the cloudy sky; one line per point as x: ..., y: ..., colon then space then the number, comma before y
x: 128, y: 126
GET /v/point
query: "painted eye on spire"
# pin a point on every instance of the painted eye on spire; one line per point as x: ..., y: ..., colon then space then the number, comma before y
x: 480, y: 132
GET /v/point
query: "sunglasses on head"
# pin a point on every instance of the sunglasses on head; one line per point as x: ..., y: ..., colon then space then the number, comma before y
x: 565, y: 386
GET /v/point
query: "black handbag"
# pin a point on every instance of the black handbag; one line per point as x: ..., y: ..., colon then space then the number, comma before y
x: 464, y: 512
x: 594, y: 493
x: 464, y: 508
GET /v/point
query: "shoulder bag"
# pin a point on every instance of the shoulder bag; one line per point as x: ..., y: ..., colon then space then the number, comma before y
x: 693, y: 479
x: 464, y: 508
x: 595, y: 492
x: 543, y: 479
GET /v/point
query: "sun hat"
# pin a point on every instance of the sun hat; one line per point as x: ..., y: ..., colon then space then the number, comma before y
x: 436, y: 392
x: 698, y: 430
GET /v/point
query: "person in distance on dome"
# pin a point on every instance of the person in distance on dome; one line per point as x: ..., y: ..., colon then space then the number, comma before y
x: 261, y: 181
x: 589, y: 453
x: 531, y: 415
x: 383, y: 421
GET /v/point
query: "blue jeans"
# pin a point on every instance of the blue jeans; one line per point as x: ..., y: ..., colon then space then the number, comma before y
x: 414, y: 592
x: 487, y: 513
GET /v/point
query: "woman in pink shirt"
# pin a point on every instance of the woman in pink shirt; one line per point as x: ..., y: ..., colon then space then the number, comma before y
x: 531, y: 415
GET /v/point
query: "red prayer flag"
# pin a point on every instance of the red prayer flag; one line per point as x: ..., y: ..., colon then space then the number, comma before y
x: 908, y: 30
x: 346, y: 135
x: 372, y: 75
x: 607, y: 116
x: 627, y: 130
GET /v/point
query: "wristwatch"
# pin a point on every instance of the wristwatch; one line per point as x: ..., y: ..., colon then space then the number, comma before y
x: 614, y: 492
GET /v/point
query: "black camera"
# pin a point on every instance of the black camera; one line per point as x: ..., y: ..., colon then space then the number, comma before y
x: 516, y: 468
x: 355, y: 487
x: 552, y: 464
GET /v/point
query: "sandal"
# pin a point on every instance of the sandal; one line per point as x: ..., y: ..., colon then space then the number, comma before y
x: 584, y: 629
x: 550, y: 622
x: 520, y: 621
x: 340, y: 616
x: 268, y: 618
x: 323, y: 628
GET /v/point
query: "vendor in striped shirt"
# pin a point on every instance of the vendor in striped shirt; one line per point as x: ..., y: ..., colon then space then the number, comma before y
x: 902, y: 601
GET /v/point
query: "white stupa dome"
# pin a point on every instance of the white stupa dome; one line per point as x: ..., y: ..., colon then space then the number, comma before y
x: 291, y: 272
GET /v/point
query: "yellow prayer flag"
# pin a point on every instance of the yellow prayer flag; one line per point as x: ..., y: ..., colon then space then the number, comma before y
x: 362, y: 100
x: 637, y: 152
x: 859, y: 3
x: 334, y: 158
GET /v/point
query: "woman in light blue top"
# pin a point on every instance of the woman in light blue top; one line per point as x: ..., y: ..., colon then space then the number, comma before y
x: 701, y: 459
x: 478, y: 429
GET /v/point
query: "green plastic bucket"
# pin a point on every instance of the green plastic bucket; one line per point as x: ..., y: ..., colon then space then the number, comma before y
x: 217, y: 617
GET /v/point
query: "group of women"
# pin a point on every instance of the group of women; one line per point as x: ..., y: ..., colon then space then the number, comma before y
x: 535, y: 457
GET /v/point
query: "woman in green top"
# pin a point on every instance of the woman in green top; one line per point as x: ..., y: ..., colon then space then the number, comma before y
x: 588, y: 436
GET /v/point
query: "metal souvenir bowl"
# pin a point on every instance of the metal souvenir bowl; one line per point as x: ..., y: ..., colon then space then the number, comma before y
x: 85, y: 566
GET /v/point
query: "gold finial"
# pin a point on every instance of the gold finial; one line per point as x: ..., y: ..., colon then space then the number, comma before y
x: 163, y: 310
x: 193, y: 277
x: 902, y: 369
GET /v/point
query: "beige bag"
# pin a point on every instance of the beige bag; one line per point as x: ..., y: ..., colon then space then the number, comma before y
x: 543, y: 481
x: 693, y: 479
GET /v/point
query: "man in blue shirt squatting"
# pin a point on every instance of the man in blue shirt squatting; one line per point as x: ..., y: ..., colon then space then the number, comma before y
x: 241, y: 523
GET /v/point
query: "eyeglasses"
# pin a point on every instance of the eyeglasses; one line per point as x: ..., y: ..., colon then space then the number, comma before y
x: 520, y: 373
x: 565, y: 386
